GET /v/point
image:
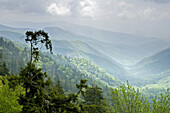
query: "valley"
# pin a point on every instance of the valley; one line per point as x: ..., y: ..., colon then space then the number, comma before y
x: 124, y: 56
x: 85, y: 56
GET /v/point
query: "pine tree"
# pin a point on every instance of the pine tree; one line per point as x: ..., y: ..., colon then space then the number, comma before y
x: 3, y: 68
x: 40, y: 94
x: 67, y: 104
x: 94, y: 100
x: 32, y: 79
x: 59, y: 87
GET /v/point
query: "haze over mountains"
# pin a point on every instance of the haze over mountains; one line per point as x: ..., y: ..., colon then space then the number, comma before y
x: 115, y: 52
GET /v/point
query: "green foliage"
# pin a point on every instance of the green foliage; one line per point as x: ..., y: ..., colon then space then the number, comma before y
x: 94, y: 100
x: 57, y: 67
x: 128, y: 100
x: 162, y: 104
x: 33, y: 82
x: 59, y: 88
x: 39, y: 97
x: 68, y: 104
x: 88, y: 68
x: 3, y: 69
x: 41, y: 94
x: 11, y: 55
x: 9, y: 97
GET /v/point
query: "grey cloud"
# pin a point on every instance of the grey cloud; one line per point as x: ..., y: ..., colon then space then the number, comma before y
x: 9, y: 4
x: 26, y: 6
x: 103, y: 9
x: 160, y: 1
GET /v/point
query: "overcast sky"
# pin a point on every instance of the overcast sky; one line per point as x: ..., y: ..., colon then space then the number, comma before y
x: 144, y: 17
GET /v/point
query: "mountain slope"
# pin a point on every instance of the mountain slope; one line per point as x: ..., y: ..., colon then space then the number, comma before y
x: 103, y: 48
x: 78, y: 49
x: 125, y: 48
x: 155, y: 64
x: 14, y: 36
x: 57, y: 66
x: 105, y: 35
x: 153, y: 69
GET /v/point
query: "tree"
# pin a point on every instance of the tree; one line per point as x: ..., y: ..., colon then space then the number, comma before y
x: 3, y: 69
x: 40, y: 94
x: 162, y: 104
x: 9, y: 97
x: 128, y: 100
x: 59, y: 87
x: 33, y: 79
x: 94, y: 100
x: 34, y: 38
x: 68, y: 104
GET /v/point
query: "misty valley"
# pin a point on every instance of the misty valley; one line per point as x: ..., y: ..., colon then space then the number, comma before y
x: 66, y: 67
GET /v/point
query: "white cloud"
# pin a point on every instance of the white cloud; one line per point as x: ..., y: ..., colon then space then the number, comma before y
x: 58, y: 9
x: 87, y: 8
x: 126, y: 10
x: 123, y: 4
x: 165, y: 14
x: 130, y: 10
x: 96, y: 9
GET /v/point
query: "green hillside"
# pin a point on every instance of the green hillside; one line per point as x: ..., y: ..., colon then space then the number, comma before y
x: 79, y: 49
x: 76, y: 48
x: 68, y: 72
x: 155, y: 64
x: 57, y: 66
x: 103, y: 54
x: 153, y: 70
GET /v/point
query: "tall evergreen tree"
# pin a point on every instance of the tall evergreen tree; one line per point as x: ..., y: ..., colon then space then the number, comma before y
x: 33, y: 79
x: 3, y: 68
x: 40, y: 94
x: 94, y: 100
x: 59, y: 87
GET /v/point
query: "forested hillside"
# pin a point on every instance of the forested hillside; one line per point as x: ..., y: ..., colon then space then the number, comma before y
x: 32, y: 91
x: 71, y: 42
x: 84, y: 56
x: 79, y: 49
x: 152, y: 74
x: 57, y: 67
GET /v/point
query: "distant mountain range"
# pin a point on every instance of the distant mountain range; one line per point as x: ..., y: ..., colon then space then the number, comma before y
x: 153, y: 69
x: 114, y: 52
x: 125, y: 48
